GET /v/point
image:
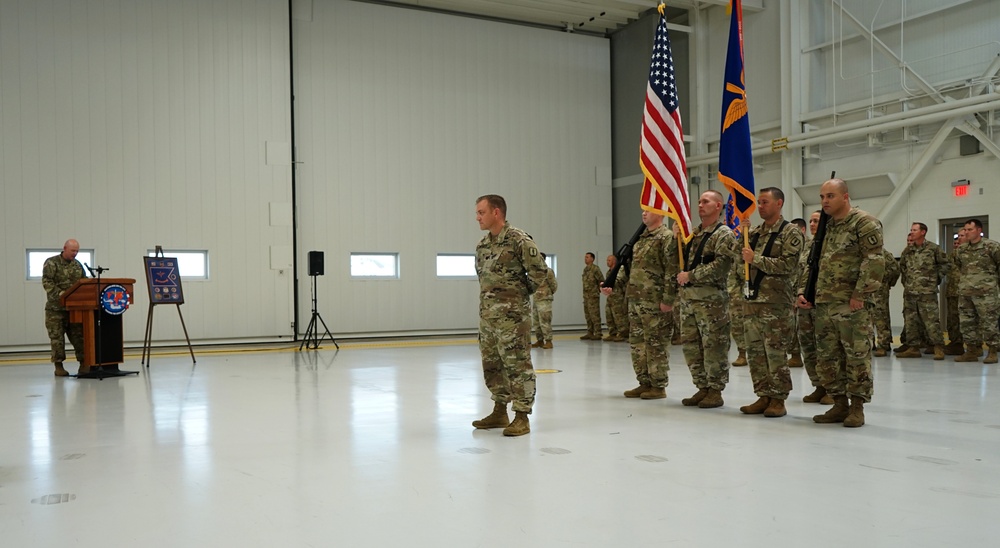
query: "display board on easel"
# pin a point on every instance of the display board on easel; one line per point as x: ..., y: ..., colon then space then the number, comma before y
x: 163, y: 279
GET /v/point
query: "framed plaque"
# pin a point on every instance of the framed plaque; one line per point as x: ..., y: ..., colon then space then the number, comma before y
x: 164, y: 280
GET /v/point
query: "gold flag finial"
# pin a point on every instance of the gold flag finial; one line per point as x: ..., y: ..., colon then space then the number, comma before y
x: 661, y: 7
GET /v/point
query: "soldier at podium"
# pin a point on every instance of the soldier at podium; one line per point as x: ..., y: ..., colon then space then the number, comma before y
x: 59, y: 273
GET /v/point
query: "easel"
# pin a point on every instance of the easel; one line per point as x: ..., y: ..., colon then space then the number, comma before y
x: 147, y: 341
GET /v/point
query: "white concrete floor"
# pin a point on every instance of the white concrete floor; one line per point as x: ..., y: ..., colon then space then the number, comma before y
x: 372, y: 446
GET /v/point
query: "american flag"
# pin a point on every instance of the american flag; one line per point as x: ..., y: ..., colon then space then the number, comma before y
x: 661, y: 152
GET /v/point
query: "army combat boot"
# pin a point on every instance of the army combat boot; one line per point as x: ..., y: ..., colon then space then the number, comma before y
x: 856, y: 413
x: 909, y: 353
x: 519, y: 426
x: 637, y: 391
x: 60, y: 372
x: 757, y: 407
x: 991, y: 356
x: 654, y: 393
x: 955, y: 349
x: 816, y: 395
x: 741, y: 360
x: 547, y: 345
x: 837, y: 413
x: 538, y: 343
x: 497, y: 419
x: 938, y: 352
x: 972, y: 354
x: 712, y: 399
x: 795, y: 361
x: 696, y: 398
x: 776, y: 408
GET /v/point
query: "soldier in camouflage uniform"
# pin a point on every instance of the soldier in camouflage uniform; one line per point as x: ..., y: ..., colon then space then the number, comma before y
x: 705, y: 303
x: 922, y: 266
x: 734, y: 286
x: 541, y: 309
x: 773, y: 256
x: 615, y: 307
x: 592, y: 279
x: 510, y: 269
x: 979, y: 297
x: 651, y: 293
x: 956, y: 345
x: 851, y: 269
x: 794, y: 351
x: 59, y: 273
x: 880, y: 306
x: 805, y: 324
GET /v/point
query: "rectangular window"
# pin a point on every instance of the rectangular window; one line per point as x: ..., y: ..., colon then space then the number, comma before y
x: 36, y: 260
x: 456, y: 265
x: 551, y: 261
x: 192, y: 264
x: 375, y: 265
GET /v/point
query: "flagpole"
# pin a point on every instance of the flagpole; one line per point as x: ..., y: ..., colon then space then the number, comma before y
x: 746, y: 265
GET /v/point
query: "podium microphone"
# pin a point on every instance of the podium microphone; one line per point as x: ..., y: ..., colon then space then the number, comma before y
x: 91, y: 270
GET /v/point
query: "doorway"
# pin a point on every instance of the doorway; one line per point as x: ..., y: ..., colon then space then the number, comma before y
x: 948, y: 233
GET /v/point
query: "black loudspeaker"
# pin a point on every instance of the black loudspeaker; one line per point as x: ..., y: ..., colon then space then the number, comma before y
x: 315, y: 263
x: 968, y: 146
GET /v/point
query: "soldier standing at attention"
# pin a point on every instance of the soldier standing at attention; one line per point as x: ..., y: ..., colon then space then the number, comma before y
x: 922, y: 266
x: 773, y: 256
x: 979, y: 305
x: 651, y: 293
x: 615, y: 307
x: 734, y: 286
x: 592, y: 279
x: 880, y: 306
x: 805, y: 324
x: 510, y: 269
x: 705, y: 303
x: 59, y: 273
x: 851, y: 268
x: 794, y: 350
x: 541, y: 308
x: 956, y: 345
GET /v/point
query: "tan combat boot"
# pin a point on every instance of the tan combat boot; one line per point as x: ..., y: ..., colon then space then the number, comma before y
x: 757, y: 407
x: 837, y: 413
x: 776, y: 408
x: 795, y: 361
x: 991, y: 356
x: 60, y: 372
x: 880, y: 352
x: 938, y: 352
x: 696, y: 398
x: 816, y: 395
x: 654, y: 393
x: 826, y: 400
x: 547, y: 345
x: 519, y: 426
x: 954, y: 349
x: 856, y: 414
x: 637, y: 391
x: 497, y: 419
x: 909, y: 353
x: 972, y: 354
x: 712, y: 399
x: 741, y: 360
x: 538, y: 343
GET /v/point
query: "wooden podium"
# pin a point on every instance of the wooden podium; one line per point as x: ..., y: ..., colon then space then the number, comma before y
x: 103, y: 344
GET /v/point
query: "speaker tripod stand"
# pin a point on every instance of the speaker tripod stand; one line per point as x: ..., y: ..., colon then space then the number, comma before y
x: 312, y: 337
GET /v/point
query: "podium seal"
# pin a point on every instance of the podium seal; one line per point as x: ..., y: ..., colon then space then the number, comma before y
x: 114, y: 299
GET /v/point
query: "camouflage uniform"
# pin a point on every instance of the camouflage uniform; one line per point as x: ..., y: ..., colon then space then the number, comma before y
x: 58, y: 275
x: 616, y: 307
x: 734, y: 286
x: 851, y: 267
x: 979, y: 301
x: 880, y: 303
x: 705, y: 320
x: 653, y: 281
x: 921, y: 269
x: 592, y: 279
x: 510, y: 269
x: 954, y: 324
x: 768, y: 318
x: 805, y: 324
x: 541, y: 309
